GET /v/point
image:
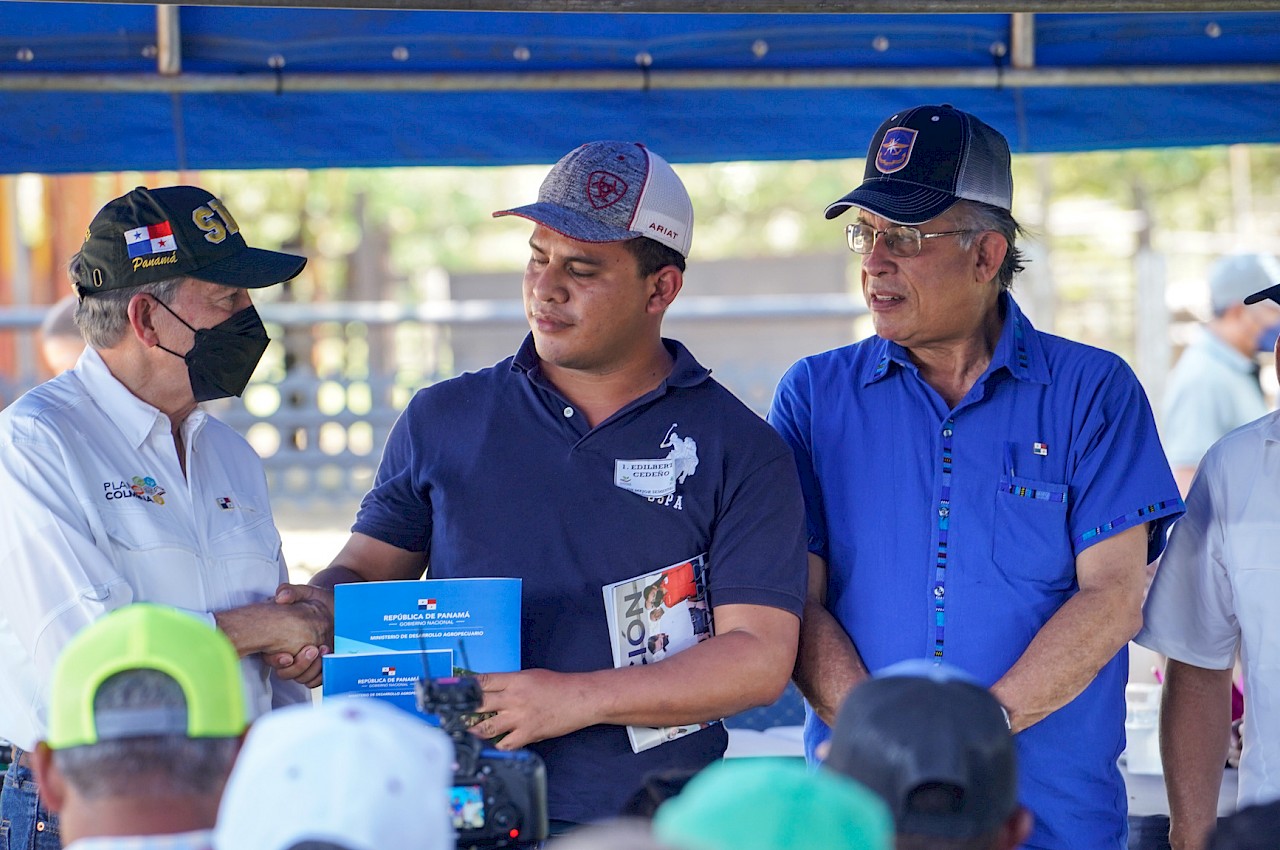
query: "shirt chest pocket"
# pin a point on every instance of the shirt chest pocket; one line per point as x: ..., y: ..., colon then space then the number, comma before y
x: 164, y: 562
x: 1030, y: 538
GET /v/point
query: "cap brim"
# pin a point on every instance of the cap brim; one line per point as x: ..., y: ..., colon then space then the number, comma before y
x: 1272, y: 292
x: 569, y: 223
x: 897, y: 200
x: 252, y: 268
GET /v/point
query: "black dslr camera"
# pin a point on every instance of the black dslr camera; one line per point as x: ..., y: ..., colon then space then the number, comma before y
x: 498, y: 798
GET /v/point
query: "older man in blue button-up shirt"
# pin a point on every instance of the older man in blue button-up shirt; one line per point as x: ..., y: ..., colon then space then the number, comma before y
x: 978, y: 492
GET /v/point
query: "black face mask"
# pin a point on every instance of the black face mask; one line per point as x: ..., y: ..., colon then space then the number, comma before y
x: 225, y: 355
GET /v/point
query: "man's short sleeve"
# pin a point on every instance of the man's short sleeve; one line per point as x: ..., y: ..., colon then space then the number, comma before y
x: 396, y: 510
x: 1190, y: 610
x: 757, y: 552
x: 791, y: 415
x: 1120, y: 477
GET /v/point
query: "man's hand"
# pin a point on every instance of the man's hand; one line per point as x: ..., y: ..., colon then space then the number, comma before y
x: 306, y: 666
x: 315, y: 606
x: 315, y: 603
x: 292, y: 632
x: 531, y: 706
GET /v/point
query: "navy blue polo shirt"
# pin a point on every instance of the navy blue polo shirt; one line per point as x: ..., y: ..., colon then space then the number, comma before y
x: 952, y: 534
x: 494, y: 473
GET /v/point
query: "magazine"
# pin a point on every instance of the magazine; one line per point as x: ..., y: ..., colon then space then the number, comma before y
x: 655, y: 615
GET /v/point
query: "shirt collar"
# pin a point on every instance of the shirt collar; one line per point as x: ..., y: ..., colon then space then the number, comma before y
x: 134, y: 417
x: 1018, y: 350
x: 685, y: 370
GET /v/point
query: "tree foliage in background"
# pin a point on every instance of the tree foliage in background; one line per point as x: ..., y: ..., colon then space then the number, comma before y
x: 1085, y: 208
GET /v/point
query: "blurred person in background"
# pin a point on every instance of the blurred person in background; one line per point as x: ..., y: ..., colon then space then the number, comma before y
x: 60, y: 341
x: 1214, y: 388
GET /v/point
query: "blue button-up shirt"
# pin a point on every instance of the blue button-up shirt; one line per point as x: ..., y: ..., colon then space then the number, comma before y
x: 952, y: 533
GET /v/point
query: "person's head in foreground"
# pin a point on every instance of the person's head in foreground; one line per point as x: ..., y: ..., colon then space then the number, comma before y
x: 935, y: 746
x: 620, y: 834
x: 934, y: 227
x: 772, y: 804
x: 60, y: 341
x: 349, y: 774
x: 146, y: 711
x: 1251, y: 828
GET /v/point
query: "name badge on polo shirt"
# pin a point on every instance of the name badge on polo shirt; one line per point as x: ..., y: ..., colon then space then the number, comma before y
x: 649, y: 478
x: 656, y: 478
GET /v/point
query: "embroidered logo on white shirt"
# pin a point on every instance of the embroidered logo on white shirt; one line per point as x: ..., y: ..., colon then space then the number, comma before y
x: 138, y: 487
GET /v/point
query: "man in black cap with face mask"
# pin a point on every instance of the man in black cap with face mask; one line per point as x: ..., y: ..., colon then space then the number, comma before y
x: 119, y: 488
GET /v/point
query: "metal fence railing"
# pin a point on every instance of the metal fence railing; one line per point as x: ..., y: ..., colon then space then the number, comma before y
x: 337, y: 375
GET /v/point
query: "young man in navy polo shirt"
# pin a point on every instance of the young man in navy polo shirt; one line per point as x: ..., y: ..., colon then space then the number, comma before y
x: 978, y: 492
x: 531, y: 469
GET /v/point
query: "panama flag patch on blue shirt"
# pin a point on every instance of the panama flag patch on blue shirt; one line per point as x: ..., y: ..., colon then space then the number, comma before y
x: 152, y: 239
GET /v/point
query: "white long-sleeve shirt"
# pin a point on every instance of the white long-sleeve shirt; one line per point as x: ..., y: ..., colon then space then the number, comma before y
x: 96, y: 514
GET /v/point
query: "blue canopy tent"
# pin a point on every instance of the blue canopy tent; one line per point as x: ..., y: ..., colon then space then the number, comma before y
x: 90, y: 87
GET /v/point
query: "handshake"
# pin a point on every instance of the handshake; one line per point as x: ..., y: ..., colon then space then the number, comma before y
x: 292, y: 631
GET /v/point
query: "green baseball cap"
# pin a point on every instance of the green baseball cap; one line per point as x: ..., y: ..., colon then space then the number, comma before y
x: 146, y: 637
x: 773, y: 804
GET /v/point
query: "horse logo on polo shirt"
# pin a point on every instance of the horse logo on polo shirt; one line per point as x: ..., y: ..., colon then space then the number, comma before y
x: 656, y: 478
x: 684, y: 451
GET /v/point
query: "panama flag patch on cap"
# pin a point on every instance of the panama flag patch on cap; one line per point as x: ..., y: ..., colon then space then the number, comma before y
x: 152, y: 239
x: 895, y: 149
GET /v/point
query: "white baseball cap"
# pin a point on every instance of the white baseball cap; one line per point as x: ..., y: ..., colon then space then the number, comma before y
x: 353, y: 772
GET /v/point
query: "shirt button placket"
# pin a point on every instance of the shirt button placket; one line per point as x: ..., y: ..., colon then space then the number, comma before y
x: 940, y: 565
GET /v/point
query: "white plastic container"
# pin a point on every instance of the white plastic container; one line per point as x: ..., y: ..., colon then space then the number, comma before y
x: 1142, y: 729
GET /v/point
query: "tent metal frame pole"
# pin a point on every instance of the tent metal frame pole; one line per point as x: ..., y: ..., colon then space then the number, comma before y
x: 168, y: 41
x: 766, y: 6
x: 1022, y: 40
x: 924, y: 78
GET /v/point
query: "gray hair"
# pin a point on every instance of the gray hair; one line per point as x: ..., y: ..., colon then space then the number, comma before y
x: 156, y: 765
x: 103, y: 318
x: 979, y: 217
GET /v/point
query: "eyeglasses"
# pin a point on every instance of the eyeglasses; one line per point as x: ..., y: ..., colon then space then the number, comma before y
x: 901, y: 240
